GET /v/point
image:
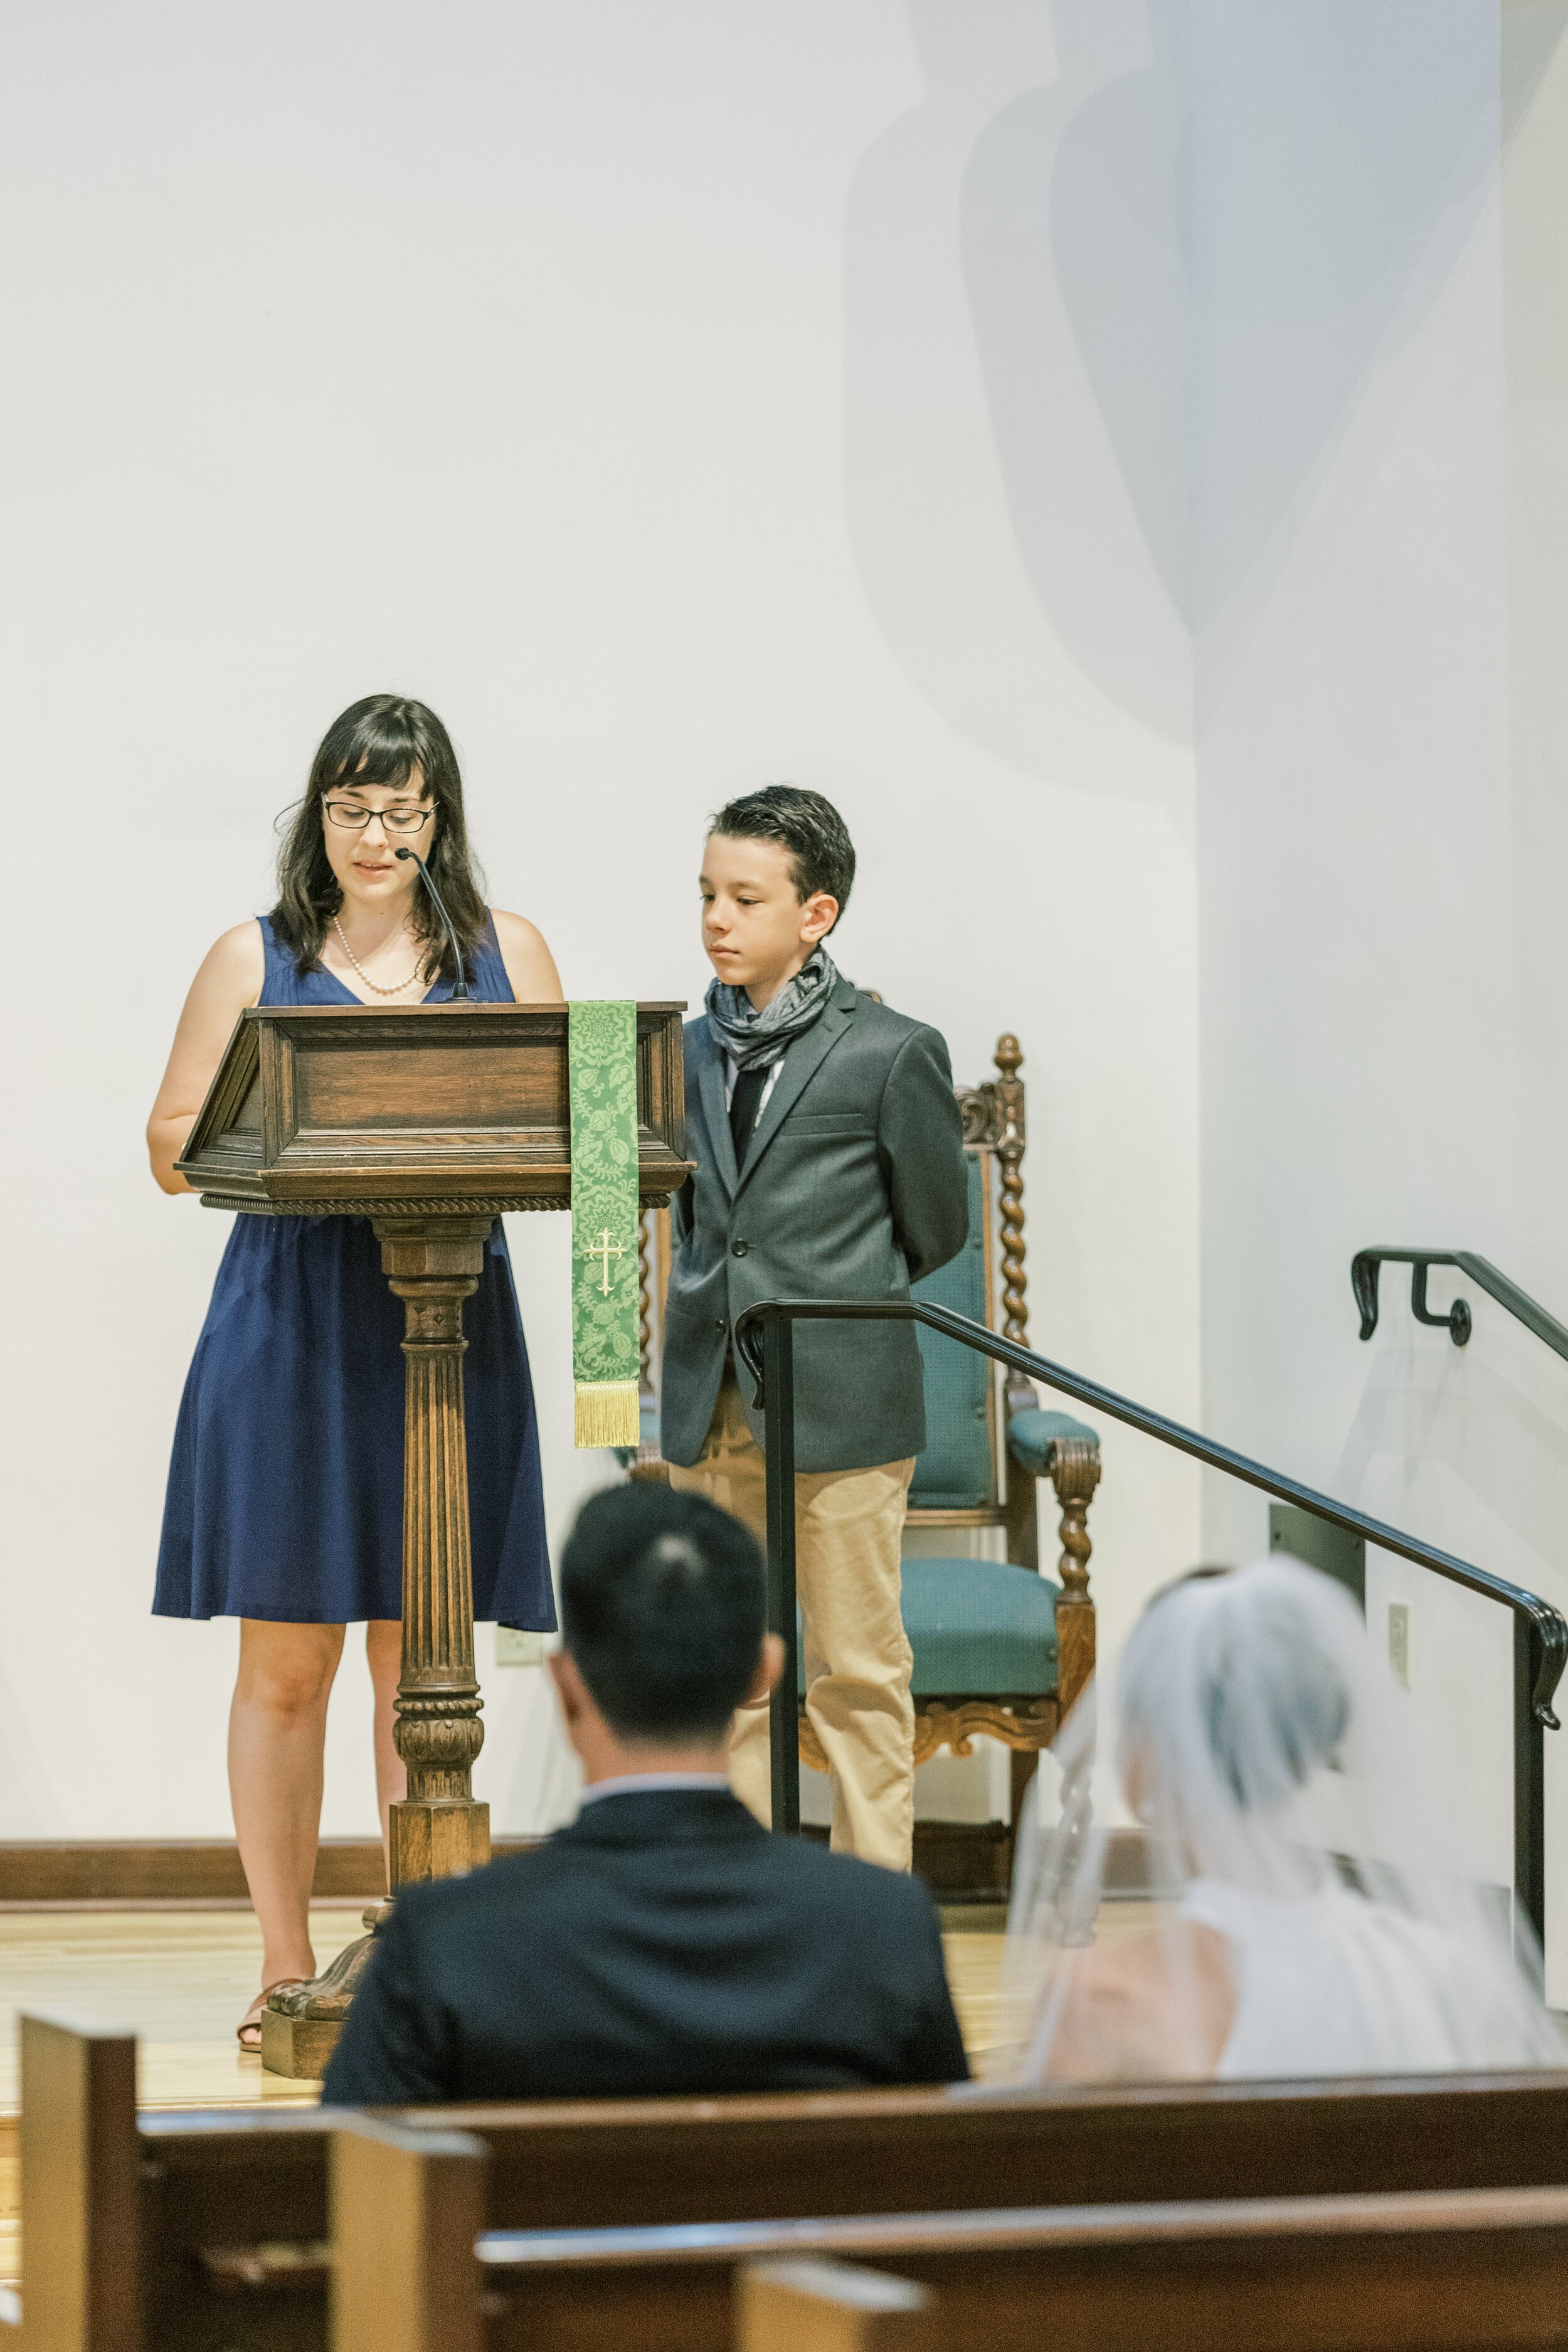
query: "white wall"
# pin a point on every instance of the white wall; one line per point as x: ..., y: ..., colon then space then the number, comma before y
x: 1380, y: 691
x: 676, y: 398
x: 1535, y: 310
x: 1351, y: 663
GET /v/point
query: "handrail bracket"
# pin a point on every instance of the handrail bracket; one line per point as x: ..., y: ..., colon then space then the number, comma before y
x: 1486, y: 1277
x: 1365, y: 1266
x: 1455, y: 1322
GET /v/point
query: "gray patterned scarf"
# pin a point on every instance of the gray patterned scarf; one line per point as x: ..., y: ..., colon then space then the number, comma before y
x: 754, y: 1037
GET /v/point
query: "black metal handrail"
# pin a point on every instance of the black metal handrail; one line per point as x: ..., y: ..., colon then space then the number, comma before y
x: 1366, y: 1263
x: 764, y: 1334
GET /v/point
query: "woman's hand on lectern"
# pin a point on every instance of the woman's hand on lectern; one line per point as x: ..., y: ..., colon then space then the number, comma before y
x: 230, y: 978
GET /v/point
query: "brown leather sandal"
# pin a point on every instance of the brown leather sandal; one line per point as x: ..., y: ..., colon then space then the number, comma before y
x: 247, y: 2032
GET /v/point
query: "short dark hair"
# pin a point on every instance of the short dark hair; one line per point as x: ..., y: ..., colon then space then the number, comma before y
x: 663, y: 1609
x: 816, y: 837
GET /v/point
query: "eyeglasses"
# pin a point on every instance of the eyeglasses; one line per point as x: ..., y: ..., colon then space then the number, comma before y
x: 354, y: 819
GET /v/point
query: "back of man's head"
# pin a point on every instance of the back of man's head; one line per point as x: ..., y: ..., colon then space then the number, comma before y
x: 663, y: 1610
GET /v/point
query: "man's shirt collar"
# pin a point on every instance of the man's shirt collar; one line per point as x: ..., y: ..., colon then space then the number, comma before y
x: 632, y: 1784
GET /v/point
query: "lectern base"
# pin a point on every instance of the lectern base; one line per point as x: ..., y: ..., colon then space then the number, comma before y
x: 297, y: 2047
x: 301, y: 2023
x: 431, y: 1838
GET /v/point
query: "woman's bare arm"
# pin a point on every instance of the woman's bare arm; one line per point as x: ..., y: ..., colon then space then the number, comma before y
x: 1157, y: 2006
x: 230, y: 978
x: 530, y: 966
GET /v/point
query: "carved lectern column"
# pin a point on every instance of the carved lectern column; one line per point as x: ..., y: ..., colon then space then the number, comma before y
x: 433, y: 1265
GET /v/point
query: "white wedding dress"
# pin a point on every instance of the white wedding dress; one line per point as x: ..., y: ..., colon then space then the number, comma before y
x: 1330, y: 1983
x: 1269, y: 1759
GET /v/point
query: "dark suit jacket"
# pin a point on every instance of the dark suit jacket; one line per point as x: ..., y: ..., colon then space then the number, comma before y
x: 854, y: 1185
x: 664, y: 1943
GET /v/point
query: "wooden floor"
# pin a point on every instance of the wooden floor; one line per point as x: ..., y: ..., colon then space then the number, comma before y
x: 180, y: 1980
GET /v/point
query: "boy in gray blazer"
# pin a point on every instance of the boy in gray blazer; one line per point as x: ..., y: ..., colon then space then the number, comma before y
x: 829, y: 1164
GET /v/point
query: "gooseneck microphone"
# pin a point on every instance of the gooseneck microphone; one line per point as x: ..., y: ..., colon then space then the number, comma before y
x: 460, y: 985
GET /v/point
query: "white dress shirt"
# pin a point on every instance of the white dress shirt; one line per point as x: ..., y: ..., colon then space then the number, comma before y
x: 732, y: 1071
x: 627, y: 1784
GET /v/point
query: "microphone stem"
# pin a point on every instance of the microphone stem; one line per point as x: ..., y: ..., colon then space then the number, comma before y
x: 460, y: 984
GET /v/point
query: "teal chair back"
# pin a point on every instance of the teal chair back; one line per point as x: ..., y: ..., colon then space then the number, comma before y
x: 957, y: 1471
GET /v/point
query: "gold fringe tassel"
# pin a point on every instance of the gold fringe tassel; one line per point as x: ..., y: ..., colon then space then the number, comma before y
x: 609, y: 1414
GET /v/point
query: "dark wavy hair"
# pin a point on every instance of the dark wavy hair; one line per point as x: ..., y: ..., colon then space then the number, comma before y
x: 381, y: 740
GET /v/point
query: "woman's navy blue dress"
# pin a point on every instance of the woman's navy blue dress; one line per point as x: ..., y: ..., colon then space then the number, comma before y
x: 285, y: 1494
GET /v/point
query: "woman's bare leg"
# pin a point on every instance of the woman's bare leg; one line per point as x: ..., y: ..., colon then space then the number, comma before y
x: 383, y: 1654
x: 277, y: 1734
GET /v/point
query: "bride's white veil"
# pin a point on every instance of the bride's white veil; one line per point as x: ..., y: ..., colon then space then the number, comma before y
x: 1270, y: 1761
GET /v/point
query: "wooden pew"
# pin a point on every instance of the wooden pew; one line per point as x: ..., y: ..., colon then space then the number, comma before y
x: 811, y: 2305
x: 407, y: 2209
x: 406, y: 2206
x: 1406, y: 2272
x: 1402, y: 2273
x: 230, y: 2208
x: 80, y: 2199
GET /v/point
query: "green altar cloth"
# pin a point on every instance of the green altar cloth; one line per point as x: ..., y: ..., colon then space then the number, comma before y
x: 606, y: 1215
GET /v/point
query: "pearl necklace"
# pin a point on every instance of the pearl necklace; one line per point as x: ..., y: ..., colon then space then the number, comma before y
x: 397, y: 988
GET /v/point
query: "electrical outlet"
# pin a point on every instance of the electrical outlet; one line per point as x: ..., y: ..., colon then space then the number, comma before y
x: 515, y: 1649
x: 1399, y: 1641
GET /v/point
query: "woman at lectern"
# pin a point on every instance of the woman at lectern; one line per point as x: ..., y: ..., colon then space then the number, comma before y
x: 285, y: 1499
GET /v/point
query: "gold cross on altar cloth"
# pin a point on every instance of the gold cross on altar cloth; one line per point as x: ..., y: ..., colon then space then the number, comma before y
x: 606, y: 1249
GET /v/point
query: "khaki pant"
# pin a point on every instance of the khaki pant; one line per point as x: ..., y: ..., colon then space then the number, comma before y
x: 849, y: 1526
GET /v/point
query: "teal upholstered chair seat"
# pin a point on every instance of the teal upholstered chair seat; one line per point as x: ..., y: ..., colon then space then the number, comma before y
x: 980, y: 1629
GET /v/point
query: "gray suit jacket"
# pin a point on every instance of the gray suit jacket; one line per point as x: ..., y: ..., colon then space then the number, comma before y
x: 854, y: 1185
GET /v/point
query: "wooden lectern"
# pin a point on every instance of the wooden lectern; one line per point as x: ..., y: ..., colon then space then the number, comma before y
x: 430, y: 1120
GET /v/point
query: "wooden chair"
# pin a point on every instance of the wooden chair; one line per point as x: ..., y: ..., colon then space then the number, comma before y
x: 998, y: 1649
